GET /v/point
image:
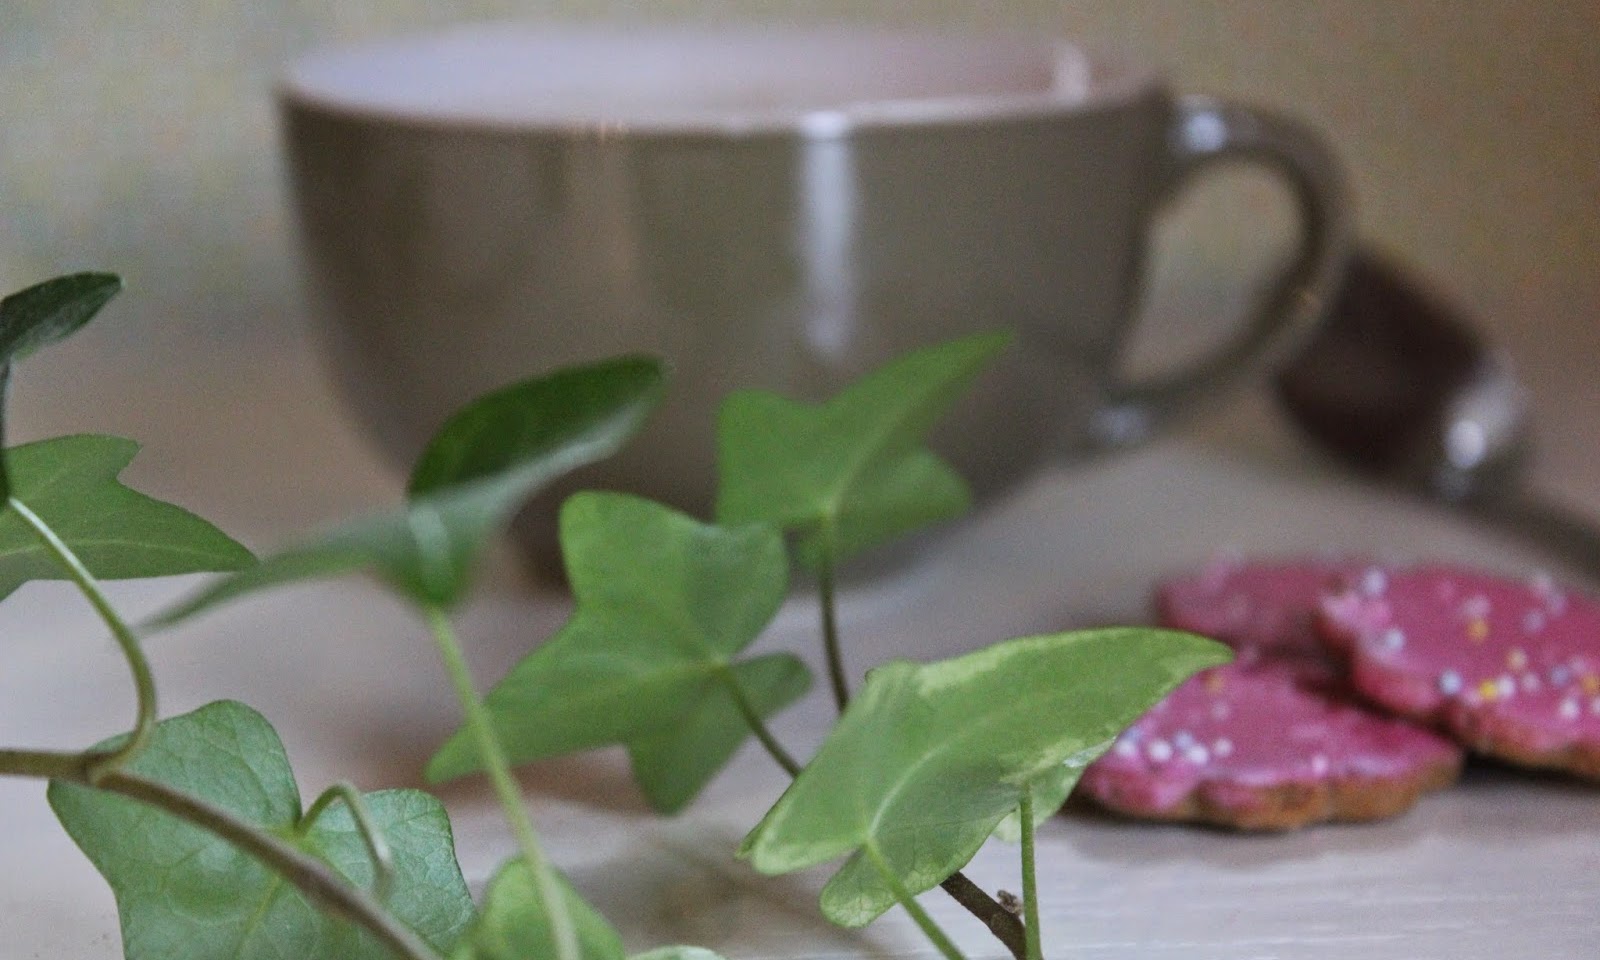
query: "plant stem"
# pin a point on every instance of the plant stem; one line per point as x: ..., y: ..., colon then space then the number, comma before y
x: 480, y: 727
x: 827, y: 550
x: 378, y: 850
x: 929, y: 929
x: 1030, y: 885
x: 46, y: 765
x: 1000, y: 921
x: 758, y: 726
x: 143, y: 682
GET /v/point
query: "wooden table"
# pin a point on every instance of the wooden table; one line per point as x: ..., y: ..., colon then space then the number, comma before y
x: 1504, y: 866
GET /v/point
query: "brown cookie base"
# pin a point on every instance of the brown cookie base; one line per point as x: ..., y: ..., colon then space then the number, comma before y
x: 1484, y: 736
x: 1295, y: 805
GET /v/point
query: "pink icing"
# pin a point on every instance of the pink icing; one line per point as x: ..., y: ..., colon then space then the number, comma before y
x: 1269, y: 605
x: 1239, y: 729
x: 1482, y: 653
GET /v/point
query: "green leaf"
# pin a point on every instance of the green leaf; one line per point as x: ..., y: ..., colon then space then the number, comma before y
x: 1050, y: 790
x: 71, y: 483
x: 672, y: 764
x: 41, y: 314
x: 515, y: 924
x: 664, y: 605
x: 852, y: 470
x: 182, y: 892
x: 586, y: 413
x: 52, y: 310
x: 928, y: 760
x: 486, y: 461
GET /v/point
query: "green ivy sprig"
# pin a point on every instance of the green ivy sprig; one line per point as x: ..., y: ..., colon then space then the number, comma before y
x: 196, y: 821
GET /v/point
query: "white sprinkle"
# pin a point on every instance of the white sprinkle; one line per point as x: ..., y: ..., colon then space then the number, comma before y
x: 1450, y: 683
x: 1221, y: 710
x: 1533, y: 621
x: 1221, y: 747
x: 1556, y: 603
x: 1125, y: 750
x: 1531, y: 683
x: 1393, y: 639
x: 1542, y: 583
x: 1560, y: 675
x: 1505, y: 686
x: 1319, y: 765
x: 1183, y: 740
x: 1374, y: 582
x: 1197, y: 754
x: 1569, y: 709
x: 1475, y: 607
x: 1159, y: 751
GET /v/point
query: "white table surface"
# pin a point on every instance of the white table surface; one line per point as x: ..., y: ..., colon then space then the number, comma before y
x: 1503, y: 866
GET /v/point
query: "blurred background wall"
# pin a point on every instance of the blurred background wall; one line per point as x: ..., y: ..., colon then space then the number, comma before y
x: 141, y: 137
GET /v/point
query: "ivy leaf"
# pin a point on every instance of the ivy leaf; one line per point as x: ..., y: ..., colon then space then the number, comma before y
x: 852, y: 472
x: 515, y: 923
x: 664, y: 605
x: 42, y: 314
x: 1050, y: 790
x: 484, y: 463
x: 51, y: 311
x: 672, y: 764
x: 71, y: 483
x: 928, y: 760
x: 182, y: 892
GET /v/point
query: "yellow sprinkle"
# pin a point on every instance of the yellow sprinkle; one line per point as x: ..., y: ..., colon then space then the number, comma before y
x: 1214, y: 682
x: 1516, y: 659
x: 1590, y: 683
x: 1489, y: 690
x: 1478, y: 631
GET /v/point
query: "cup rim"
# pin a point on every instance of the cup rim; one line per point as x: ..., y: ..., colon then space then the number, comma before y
x: 1084, y: 79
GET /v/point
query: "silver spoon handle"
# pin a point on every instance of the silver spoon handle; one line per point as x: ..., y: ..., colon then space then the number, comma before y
x: 1553, y: 527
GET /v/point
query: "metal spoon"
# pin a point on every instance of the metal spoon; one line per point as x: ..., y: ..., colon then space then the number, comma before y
x: 1398, y: 386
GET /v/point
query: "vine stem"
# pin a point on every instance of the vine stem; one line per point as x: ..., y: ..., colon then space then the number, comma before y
x: 1030, y: 883
x: 101, y: 764
x: 929, y: 929
x: 827, y: 548
x: 378, y: 850
x: 752, y: 718
x: 480, y: 727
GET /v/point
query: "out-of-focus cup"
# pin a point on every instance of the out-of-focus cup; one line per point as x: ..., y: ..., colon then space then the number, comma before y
x: 775, y: 208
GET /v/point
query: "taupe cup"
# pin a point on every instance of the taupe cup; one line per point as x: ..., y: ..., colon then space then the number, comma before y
x: 784, y: 209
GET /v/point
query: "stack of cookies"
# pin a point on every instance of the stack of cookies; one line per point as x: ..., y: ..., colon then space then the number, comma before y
x: 1356, y: 689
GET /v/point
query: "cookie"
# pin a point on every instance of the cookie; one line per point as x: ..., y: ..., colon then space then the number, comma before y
x: 1510, y: 668
x: 1260, y: 608
x: 1250, y: 745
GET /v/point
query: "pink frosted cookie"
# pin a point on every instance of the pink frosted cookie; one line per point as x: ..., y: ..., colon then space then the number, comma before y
x: 1250, y: 746
x: 1259, y: 607
x: 1510, y: 668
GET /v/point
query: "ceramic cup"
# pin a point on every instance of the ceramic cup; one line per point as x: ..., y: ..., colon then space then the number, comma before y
x: 784, y: 209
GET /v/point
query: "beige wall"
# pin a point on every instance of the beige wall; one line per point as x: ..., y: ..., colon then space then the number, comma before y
x: 139, y: 136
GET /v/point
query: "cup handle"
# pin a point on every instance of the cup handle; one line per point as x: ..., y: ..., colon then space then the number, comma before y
x: 1204, y: 132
